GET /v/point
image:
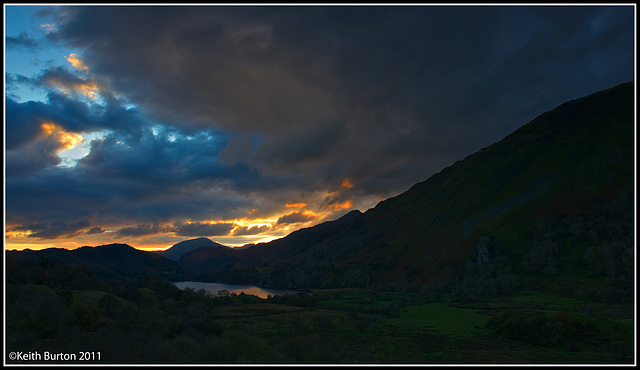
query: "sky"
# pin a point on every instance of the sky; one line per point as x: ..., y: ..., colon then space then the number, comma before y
x: 153, y: 124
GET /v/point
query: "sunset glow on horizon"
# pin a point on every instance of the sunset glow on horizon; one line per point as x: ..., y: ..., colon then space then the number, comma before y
x: 232, y: 233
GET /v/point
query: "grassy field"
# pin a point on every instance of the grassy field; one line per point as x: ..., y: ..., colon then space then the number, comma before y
x: 441, y: 318
x: 372, y: 327
x: 327, y: 327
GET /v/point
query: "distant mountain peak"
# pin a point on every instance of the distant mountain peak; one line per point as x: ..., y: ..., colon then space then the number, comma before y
x: 179, y: 249
x: 201, y: 239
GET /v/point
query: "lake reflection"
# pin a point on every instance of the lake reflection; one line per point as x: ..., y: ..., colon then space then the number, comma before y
x: 214, y: 288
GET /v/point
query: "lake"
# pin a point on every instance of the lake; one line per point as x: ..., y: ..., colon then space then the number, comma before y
x: 213, y: 288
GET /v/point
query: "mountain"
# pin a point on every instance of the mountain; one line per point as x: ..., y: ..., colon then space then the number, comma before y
x: 179, y: 249
x: 550, y: 206
x: 204, y: 260
x: 109, y: 262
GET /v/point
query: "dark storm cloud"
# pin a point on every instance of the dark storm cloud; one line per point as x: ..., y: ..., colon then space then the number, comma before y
x: 175, y: 173
x: 33, y: 157
x: 22, y: 41
x: 140, y: 230
x: 23, y: 119
x: 297, y: 147
x: 57, y: 76
x: 431, y: 84
x: 219, y: 55
x: 204, y: 229
x: 159, y: 175
x: 58, y: 195
x: 71, y: 194
x: 254, y: 230
x: 95, y: 230
x: 29, y: 149
x: 54, y: 230
x: 295, y: 217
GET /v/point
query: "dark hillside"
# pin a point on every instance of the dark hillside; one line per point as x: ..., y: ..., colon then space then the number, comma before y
x: 204, y: 259
x: 109, y: 262
x: 571, y: 166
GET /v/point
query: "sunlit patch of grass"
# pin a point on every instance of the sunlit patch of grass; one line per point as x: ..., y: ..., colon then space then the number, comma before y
x: 441, y: 318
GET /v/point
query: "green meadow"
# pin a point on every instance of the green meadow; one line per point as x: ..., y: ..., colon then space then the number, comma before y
x: 151, y: 321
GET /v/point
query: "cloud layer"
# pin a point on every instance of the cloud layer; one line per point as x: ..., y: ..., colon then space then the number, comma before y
x: 212, y: 115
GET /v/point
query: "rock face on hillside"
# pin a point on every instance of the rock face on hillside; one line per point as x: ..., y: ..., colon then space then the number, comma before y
x: 483, y: 250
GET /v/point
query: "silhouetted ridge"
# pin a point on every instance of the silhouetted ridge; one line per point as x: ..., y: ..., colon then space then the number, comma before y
x: 179, y: 249
x: 110, y: 262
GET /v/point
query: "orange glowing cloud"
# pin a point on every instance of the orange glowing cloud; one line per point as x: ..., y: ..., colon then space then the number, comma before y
x: 76, y: 62
x: 66, y: 139
x: 297, y: 217
x: 48, y: 128
x: 253, y: 222
x: 347, y: 183
x: 296, y: 205
x: 90, y: 90
x: 341, y: 206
